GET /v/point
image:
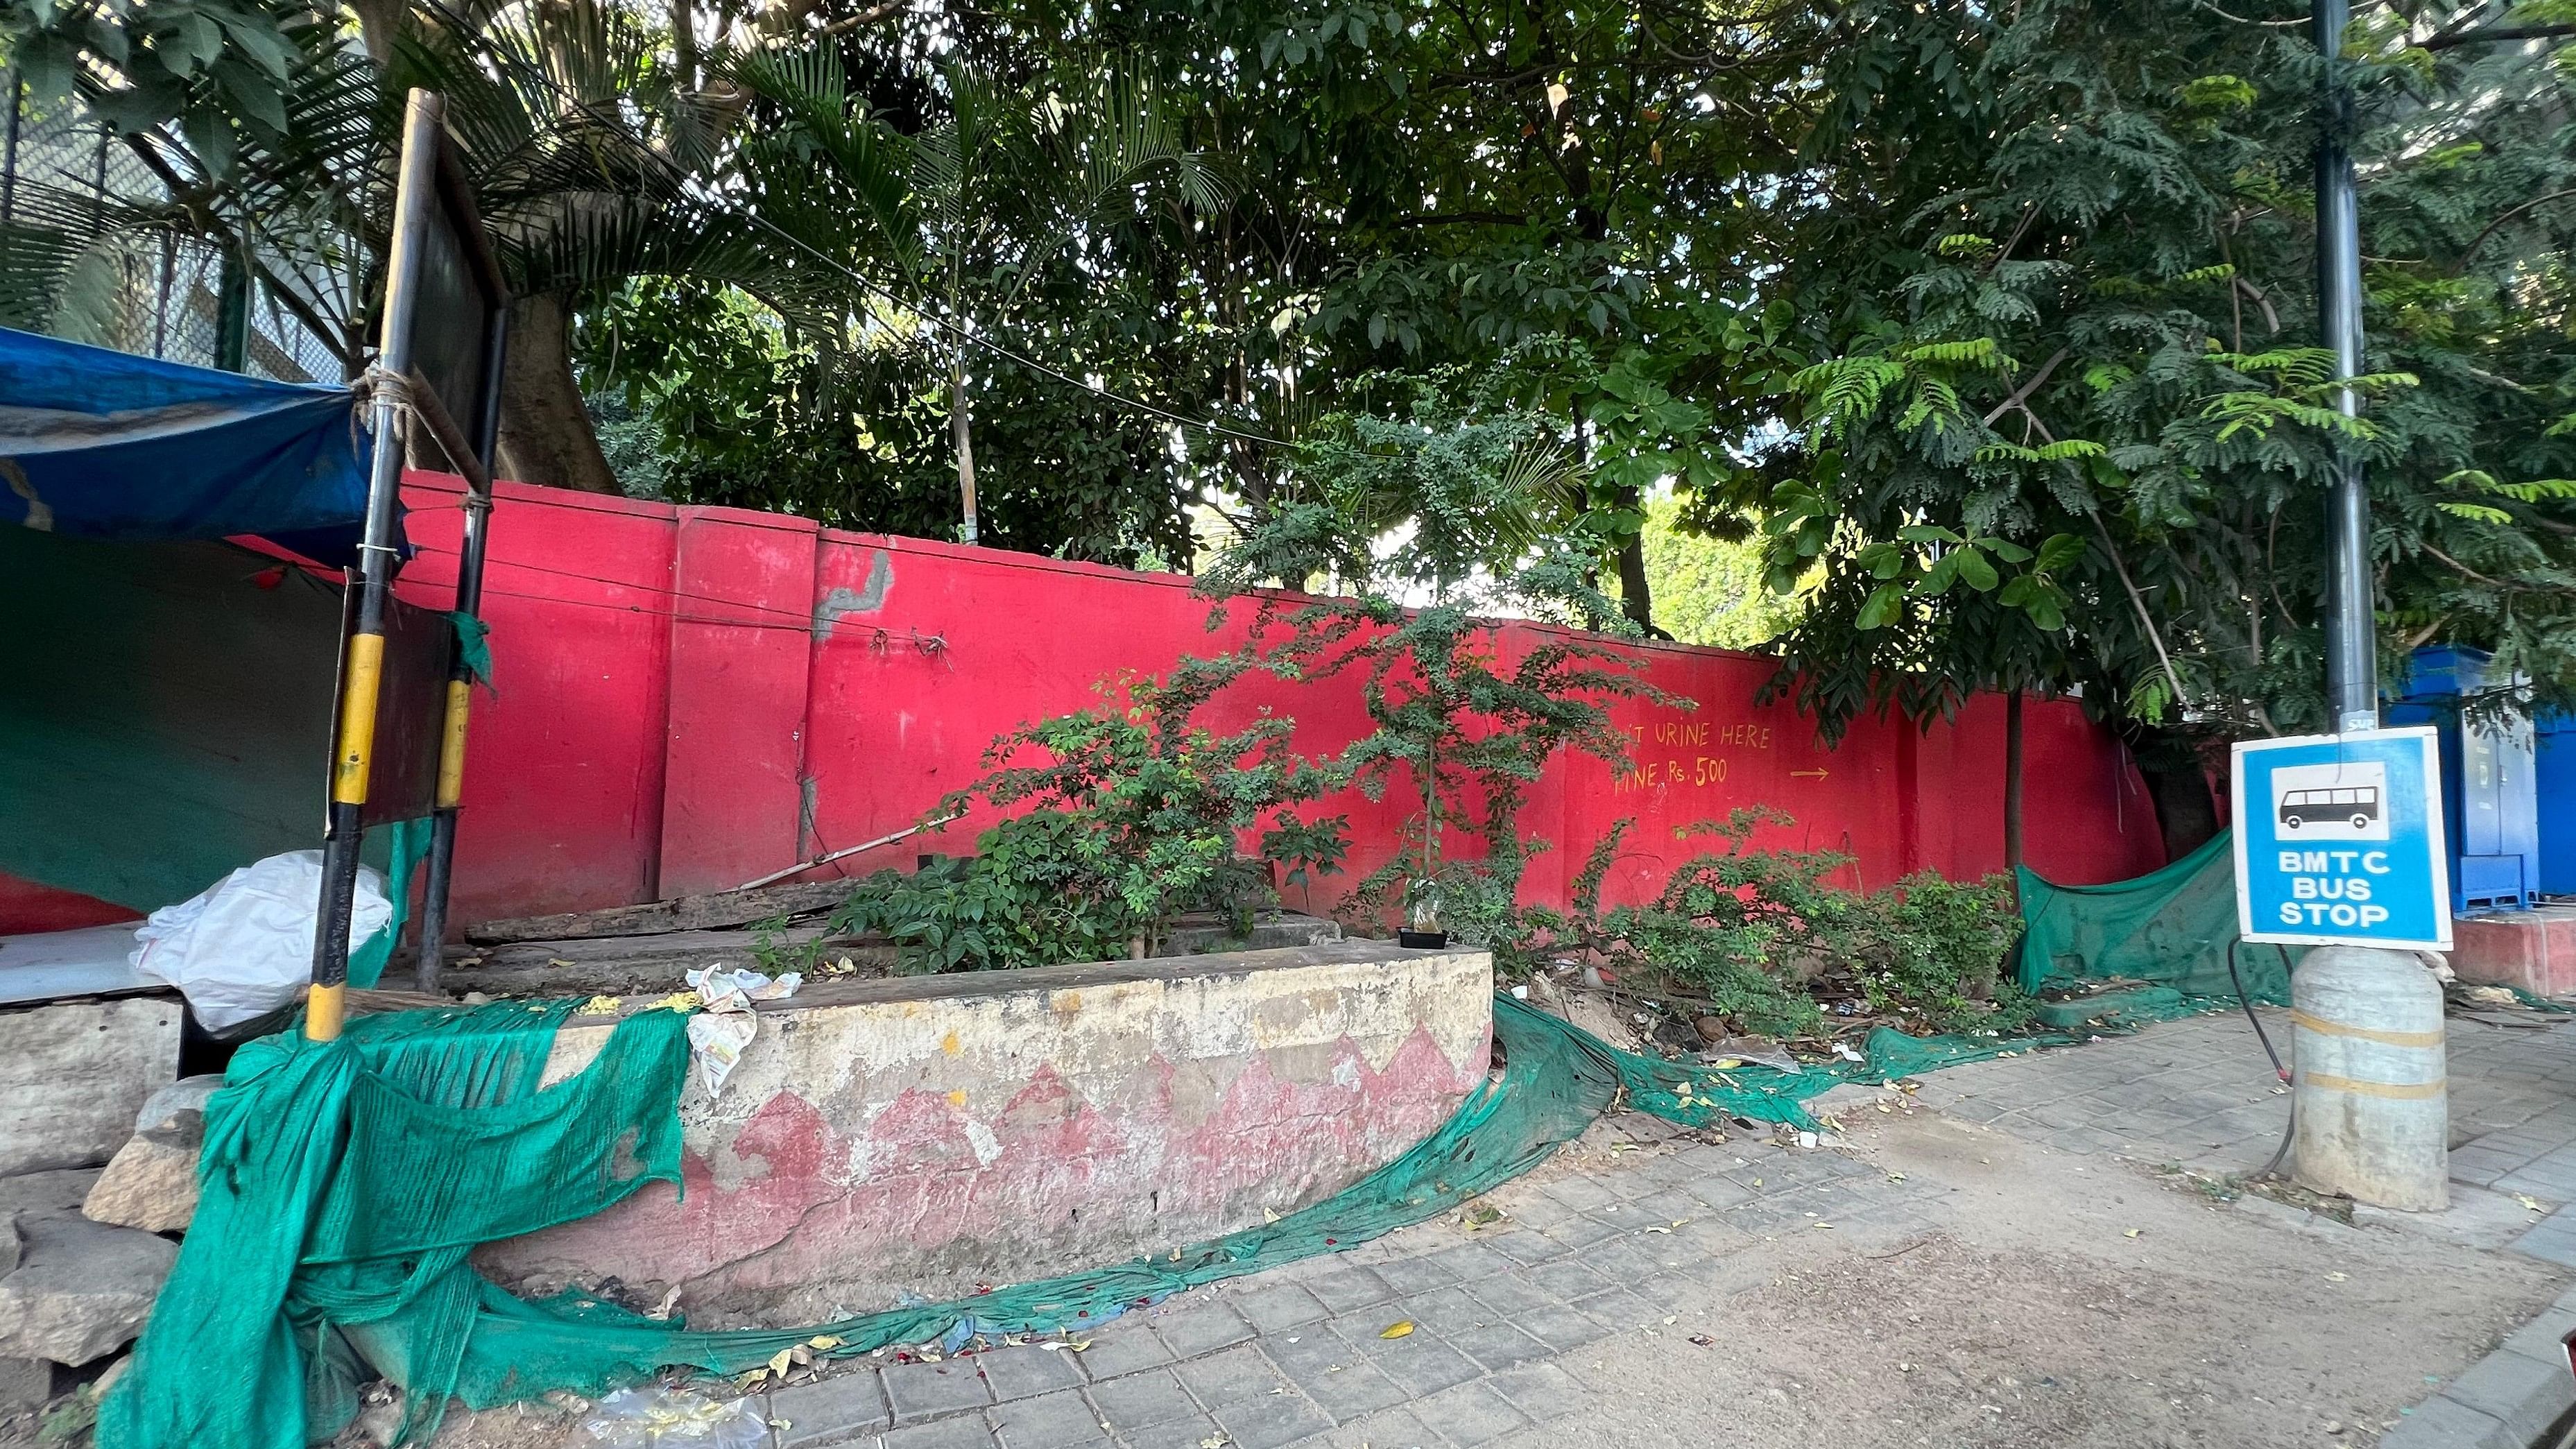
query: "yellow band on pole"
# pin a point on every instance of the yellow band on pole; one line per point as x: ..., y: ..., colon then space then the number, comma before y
x: 2415, y: 1039
x: 358, y: 719
x: 451, y: 744
x: 325, y: 1007
x: 2392, y: 1091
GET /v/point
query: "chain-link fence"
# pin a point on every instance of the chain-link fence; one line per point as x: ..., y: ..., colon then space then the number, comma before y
x: 143, y: 290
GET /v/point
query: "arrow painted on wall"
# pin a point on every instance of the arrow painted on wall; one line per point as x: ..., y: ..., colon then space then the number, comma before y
x: 1806, y: 774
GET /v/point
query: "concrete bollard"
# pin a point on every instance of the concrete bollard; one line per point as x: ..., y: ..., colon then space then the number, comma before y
x: 2370, y: 1077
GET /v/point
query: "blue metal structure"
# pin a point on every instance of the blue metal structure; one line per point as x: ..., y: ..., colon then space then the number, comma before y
x: 2554, y: 766
x: 2490, y: 782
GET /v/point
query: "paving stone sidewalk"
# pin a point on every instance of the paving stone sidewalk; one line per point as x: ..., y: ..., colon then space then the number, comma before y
x: 2200, y: 1093
x: 1300, y: 1355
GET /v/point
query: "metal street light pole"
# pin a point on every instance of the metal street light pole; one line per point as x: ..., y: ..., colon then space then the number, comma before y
x: 2382, y: 1143
x: 2352, y: 656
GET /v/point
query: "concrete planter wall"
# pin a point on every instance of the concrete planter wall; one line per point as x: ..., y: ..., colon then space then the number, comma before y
x: 931, y: 1134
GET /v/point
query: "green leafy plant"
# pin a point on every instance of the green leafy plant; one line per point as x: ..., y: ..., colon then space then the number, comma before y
x: 1031, y: 895
x: 1431, y: 529
x: 1744, y: 934
x: 1132, y: 813
x: 773, y: 954
x: 1940, y: 950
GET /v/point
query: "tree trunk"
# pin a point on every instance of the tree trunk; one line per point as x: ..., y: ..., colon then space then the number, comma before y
x: 381, y: 24
x: 961, y: 433
x: 2012, y: 780
x: 684, y: 45
x: 2186, y: 812
x: 1636, y: 595
x: 546, y: 436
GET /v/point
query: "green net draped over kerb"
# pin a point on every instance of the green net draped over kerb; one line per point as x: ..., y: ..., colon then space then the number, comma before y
x: 344, y: 1183
x: 2175, y: 927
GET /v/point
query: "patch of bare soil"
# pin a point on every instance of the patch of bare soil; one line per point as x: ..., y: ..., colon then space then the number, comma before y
x: 2058, y: 1300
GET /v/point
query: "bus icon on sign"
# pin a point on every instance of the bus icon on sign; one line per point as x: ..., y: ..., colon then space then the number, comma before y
x: 2331, y: 802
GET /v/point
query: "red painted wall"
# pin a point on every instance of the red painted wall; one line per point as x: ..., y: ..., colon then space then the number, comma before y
x: 693, y: 697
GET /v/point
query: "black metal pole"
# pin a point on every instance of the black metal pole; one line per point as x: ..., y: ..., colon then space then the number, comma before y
x: 232, y: 313
x: 9, y: 154
x: 460, y: 683
x: 363, y: 653
x: 2352, y: 655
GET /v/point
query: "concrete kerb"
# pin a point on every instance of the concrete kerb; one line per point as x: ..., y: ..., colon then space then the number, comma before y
x: 2522, y: 1396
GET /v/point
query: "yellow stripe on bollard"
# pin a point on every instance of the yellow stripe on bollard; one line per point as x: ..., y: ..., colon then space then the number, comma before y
x: 2391, y: 1091
x: 358, y: 719
x: 325, y: 1007
x: 2420, y: 1039
x: 451, y: 744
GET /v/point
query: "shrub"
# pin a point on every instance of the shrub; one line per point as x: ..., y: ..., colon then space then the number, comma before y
x: 1131, y: 814
x: 1749, y: 929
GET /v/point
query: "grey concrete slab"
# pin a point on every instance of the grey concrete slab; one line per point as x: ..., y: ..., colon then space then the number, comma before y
x: 1541, y: 1391
x: 1498, y: 1346
x: 1270, y: 1420
x: 1408, y: 1276
x: 1280, y: 1306
x: 1195, y: 1431
x: 920, y: 1391
x: 1196, y: 1328
x: 1393, y: 1429
x: 1562, y: 1327
x: 1473, y: 1414
x: 1473, y: 1262
x: 1351, y: 1390
x: 1348, y: 1287
x: 1525, y: 1245
x: 1419, y: 1362
x: 1580, y: 1231
x: 1230, y: 1375
x: 830, y: 1410
x: 1444, y: 1310
x: 1027, y: 1371
x: 963, y: 1432
x: 1142, y: 1400
x: 1124, y: 1347
x: 1063, y: 1418
x: 1507, y: 1294
x: 1566, y: 1279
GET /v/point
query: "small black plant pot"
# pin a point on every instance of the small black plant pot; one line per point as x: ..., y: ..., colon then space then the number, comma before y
x: 1421, y: 940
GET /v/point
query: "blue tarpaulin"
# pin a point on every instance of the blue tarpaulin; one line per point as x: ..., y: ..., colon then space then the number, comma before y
x: 102, y: 444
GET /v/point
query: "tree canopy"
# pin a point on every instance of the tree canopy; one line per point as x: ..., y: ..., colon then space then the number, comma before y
x: 1988, y: 331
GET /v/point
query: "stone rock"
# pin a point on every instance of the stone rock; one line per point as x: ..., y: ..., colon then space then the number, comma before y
x: 151, y: 1183
x: 1598, y: 1016
x: 188, y: 1094
x: 42, y: 1193
x: 74, y: 1074
x: 13, y: 1244
x: 81, y: 1290
x: 25, y: 1383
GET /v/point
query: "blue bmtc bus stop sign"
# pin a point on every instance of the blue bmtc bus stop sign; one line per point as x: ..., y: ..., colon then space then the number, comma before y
x: 2339, y: 841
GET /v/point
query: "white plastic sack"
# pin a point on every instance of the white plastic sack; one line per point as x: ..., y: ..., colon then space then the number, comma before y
x: 244, y: 945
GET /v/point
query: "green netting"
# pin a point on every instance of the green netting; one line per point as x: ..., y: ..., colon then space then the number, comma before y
x: 2175, y: 927
x: 344, y: 1183
x: 407, y: 843
x: 473, y: 646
